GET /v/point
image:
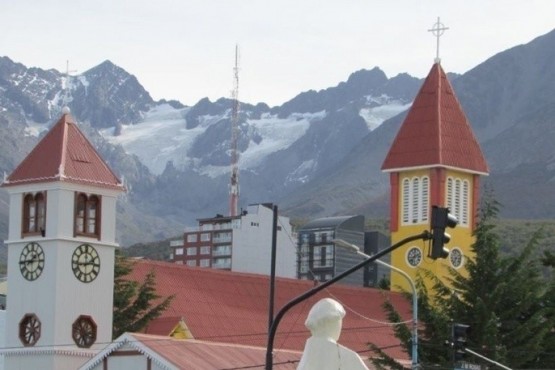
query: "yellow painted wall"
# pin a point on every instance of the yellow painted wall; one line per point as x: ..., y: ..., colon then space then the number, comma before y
x: 461, y: 236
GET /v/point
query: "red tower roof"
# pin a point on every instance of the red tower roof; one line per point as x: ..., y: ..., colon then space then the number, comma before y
x: 435, y: 132
x: 64, y: 154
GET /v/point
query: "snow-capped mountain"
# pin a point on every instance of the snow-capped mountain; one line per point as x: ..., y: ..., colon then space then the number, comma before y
x: 164, y: 135
x: 316, y: 155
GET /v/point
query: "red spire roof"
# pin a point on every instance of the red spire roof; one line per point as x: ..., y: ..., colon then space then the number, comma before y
x: 436, y: 131
x: 64, y: 154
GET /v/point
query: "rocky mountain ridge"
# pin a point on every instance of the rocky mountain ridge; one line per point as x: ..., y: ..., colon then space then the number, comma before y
x: 316, y: 155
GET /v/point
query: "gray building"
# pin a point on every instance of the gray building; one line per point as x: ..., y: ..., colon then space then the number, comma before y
x: 320, y: 259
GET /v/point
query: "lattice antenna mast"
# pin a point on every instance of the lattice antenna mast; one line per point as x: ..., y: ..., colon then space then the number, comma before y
x: 234, y: 181
x: 65, y: 86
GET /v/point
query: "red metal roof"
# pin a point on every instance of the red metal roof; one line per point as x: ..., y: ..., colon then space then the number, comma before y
x: 436, y: 131
x: 193, y: 354
x: 225, y: 306
x: 64, y: 154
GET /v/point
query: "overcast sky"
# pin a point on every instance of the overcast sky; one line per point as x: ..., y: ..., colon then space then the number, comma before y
x: 184, y: 49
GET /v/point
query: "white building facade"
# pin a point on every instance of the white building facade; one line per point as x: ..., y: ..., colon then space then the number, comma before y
x: 240, y: 243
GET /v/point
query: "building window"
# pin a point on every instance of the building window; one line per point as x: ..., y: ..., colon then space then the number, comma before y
x: 29, y: 329
x: 192, y: 251
x: 191, y: 263
x: 303, y: 239
x: 87, y: 215
x: 458, y: 199
x: 204, y: 263
x: 415, y: 200
x: 34, y: 213
x: 323, y: 256
x: 221, y: 237
x: 84, y: 331
x: 205, y: 250
x: 221, y: 263
x: 192, y: 238
x: 178, y: 251
x: 205, y: 237
x: 222, y: 250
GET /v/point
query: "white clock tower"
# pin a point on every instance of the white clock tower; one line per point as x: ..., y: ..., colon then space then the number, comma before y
x: 61, y: 246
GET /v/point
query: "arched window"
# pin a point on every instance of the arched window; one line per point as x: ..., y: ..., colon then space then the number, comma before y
x: 34, y: 213
x: 465, y: 206
x: 415, y: 199
x: 424, y: 195
x: 87, y: 215
x: 406, y: 200
x: 450, y: 193
x: 458, y: 199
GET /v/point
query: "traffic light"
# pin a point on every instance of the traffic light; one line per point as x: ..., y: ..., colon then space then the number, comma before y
x: 441, y: 219
x: 459, y: 336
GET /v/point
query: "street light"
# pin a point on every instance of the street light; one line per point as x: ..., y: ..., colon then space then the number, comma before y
x: 425, y: 235
x: 356, y: 249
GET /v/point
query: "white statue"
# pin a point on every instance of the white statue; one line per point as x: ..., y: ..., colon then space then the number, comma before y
x: 321, y: 351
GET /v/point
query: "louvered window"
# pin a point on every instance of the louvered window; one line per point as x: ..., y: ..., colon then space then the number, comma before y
x: 424, y: 199
x: 415, y: 202
x: 406, y: 200
x: 458, y: 199
x: 465, y: 206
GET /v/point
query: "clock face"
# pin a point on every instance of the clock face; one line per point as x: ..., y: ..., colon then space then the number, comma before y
x: 84, y: 331
x: 456, y: 257
x: 31, y: 261
x: 29, y: 330
x: 85, y: 263
x: 414, y: 256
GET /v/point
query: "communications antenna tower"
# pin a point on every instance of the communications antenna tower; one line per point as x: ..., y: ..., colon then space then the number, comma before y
x: 234, y: 181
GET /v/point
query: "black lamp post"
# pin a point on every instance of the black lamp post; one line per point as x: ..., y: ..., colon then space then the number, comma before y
x: 425, y: 235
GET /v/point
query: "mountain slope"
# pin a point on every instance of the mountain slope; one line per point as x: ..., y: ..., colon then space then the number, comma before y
x: 509, y: 100
x: 318, y: 154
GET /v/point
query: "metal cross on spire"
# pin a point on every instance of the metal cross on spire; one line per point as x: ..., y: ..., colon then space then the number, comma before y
x: 437, y: 30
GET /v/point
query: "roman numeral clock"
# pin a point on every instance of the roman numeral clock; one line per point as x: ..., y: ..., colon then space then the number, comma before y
x: 85, y: 263
x: 31, y: 261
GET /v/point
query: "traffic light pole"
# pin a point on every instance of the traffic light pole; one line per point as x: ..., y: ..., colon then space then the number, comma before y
x: 425, y: 235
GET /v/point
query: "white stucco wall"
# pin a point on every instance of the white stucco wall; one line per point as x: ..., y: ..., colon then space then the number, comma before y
x: 2, y: 335
x: 252, y: 244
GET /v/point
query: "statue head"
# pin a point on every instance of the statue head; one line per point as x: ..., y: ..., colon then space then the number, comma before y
x: 325, y: 318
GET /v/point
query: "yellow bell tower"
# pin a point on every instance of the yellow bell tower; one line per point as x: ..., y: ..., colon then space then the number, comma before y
x: 435, y: 160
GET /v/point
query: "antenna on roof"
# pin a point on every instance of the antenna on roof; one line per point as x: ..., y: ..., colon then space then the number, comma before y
x: 437, y: 30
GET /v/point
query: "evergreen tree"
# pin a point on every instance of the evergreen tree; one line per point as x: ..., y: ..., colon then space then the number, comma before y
x: 505, y: 300
x: 135, y: 305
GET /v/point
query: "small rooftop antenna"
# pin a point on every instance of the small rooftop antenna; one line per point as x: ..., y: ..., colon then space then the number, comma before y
x: 437, y: 30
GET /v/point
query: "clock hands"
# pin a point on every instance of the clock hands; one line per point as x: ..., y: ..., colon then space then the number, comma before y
x: 34, y: 258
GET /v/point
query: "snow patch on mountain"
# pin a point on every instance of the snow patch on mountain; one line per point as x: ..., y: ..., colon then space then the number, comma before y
x: 277, y: 134
x: 302, y: 172
x: 381, y: 109
x: 163, y: 136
